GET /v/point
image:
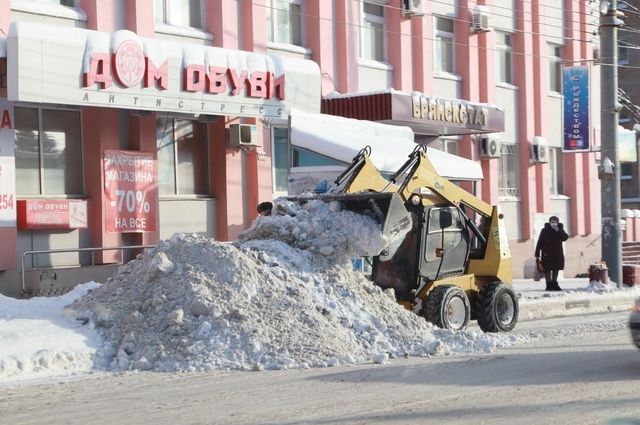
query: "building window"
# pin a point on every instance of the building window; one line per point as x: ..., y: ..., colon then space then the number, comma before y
x: 280, y: 155
x: 444, y: 51
x: 284, y: 21
x: 626, y: 171
x: 624, y: 119
x: 508, y: 179
x: 183, y: 157
x: 372, y: 32
x: 504, y: 52
x: 305, y: 158
x: 557, y: 171
x: 450, y: 146
x: 48, y: 152
x: 623, y: 52
x: 555, y: 68
x: 282, y: 158
x: 181, y: 13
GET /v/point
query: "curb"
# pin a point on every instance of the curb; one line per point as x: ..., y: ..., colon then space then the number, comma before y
x: 541, y: 308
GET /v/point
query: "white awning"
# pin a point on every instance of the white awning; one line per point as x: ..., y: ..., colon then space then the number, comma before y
x: 341, y: 138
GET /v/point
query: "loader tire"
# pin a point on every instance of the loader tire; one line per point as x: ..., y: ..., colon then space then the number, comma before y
x: 497, y: 308
x: 448, y: 307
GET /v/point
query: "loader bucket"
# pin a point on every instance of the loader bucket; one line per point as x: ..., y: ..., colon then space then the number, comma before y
x: 386, y: 208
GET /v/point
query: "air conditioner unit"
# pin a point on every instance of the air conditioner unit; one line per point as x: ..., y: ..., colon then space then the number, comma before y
x: 243, y: 136
x: 539, y: 150
x: 413, y: 8
x: 480, y: 19
x: 489, y: 147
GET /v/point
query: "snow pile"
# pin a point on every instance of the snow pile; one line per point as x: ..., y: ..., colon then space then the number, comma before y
x: 598, y: 286
x: 283, y: 296
x: 320, y: 228
x: 39, y: 338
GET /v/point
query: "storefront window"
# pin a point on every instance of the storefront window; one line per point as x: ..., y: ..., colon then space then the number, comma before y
x: 183, y: 157
x: 372, y: 32
x: 297, y: 158
x: 284, y: 21
x: 444, y: 45
x: 508, y: 180
x: 48, y: 152
x: 181, y: 13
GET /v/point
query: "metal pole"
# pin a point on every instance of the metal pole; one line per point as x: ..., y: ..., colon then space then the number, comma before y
x: 610, y: 181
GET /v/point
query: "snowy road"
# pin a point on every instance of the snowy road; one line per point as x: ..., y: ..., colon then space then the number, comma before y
x: 581, y: 370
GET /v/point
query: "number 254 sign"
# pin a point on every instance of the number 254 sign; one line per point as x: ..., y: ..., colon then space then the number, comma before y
x: 6, y: 201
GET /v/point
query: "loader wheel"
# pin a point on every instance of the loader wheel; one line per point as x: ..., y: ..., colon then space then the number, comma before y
x: 497, y: 308
x: 448, y: 308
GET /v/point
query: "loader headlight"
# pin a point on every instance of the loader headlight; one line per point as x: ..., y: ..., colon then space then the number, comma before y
x: 415, y: 200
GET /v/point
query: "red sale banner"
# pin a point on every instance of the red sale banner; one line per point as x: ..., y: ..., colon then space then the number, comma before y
x: 130, y: 182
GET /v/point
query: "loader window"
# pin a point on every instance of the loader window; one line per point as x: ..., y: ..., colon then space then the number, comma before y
x: 446, y: 243
x: 445, y: 232
x: 482, y: 224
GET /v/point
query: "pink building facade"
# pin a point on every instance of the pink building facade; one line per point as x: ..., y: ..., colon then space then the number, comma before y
x: 513, y: 59
x: 96, y: 105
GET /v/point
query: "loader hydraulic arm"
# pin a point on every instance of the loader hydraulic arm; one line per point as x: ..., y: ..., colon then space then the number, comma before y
x: 360, y: 176
x: 421, y: 173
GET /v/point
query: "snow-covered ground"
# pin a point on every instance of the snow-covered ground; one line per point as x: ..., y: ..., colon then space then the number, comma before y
x: 283, y: 296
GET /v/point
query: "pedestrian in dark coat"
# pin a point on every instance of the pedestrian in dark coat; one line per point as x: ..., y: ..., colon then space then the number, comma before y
x: 550, y: 245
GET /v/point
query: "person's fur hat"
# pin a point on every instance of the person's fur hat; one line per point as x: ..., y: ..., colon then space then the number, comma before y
x: 265, y: 206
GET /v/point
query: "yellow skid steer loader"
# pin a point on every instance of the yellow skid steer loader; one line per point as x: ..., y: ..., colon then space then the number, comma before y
x: 448, y: 256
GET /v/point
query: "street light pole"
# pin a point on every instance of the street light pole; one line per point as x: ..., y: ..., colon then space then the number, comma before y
x: 610, y: 165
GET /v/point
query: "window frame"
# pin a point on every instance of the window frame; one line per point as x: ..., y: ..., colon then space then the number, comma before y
x: 556, y: 171
x: 623, y: 52
x: 291, y: 153
x: 176, y: 160
x: 438, y: 37
x: 41, y: 178
x: 272, y: 20
x: 512, y: 150
x: 555, y: 52
x: 166, y: 15
x: 504, y: 51
x: 366, y: 19
x: 626, y: 171
x: 274, y: 187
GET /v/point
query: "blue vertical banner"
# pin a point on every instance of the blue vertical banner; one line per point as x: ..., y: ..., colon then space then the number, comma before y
x: 575, y: 88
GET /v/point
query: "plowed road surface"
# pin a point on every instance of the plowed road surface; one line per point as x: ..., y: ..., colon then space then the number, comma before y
x: 581, y: 375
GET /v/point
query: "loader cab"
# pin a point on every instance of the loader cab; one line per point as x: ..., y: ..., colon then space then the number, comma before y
x: 445, y: 243
x: 436, y: 247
